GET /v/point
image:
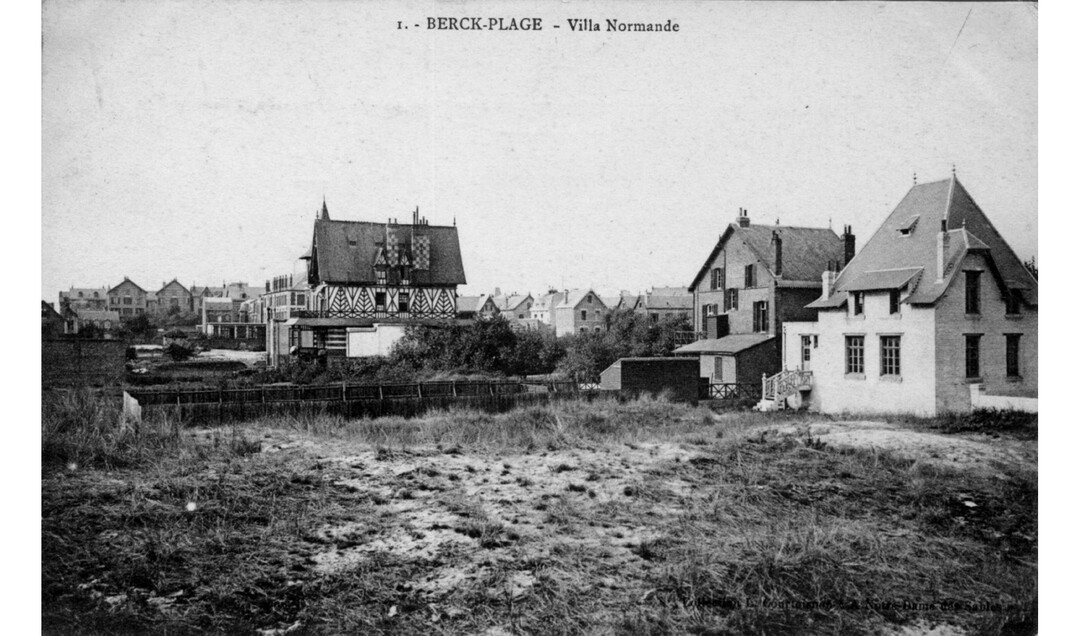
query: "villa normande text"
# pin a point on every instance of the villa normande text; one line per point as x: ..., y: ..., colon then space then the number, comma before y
x: 607, y: 25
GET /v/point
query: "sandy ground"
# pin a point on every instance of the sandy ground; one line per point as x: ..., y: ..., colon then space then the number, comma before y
x: 415, y: 503
x: 250, y: 358
x: 967, y: 451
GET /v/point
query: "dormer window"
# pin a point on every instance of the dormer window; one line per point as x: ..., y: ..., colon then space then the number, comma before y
x: 857, y: 300
x: 908, y: 226
x: 1012, y: 302
x: 352, y: 243
x: 380, y: 276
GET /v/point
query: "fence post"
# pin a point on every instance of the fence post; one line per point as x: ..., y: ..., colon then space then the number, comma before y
x: 380, y: 392
x: 763, y: 380
x: 453, y: 387
x: 419, y: 391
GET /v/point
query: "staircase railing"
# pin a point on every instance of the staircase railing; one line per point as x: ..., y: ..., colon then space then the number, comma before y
x: 784, y: 383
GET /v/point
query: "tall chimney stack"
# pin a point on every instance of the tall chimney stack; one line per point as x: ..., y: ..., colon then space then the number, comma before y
x: 942, y: 250
x: 778, y: 253
x: 744, y: 218
x: 849, y: 244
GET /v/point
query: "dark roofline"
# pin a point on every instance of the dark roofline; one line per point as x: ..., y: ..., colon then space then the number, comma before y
x: 764, y: 258
x: 127, y: 280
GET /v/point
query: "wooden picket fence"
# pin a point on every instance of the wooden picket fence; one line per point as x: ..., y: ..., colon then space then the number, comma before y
x: 349, y: 400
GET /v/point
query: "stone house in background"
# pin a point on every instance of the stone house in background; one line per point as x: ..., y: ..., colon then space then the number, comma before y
x: 662, y: 302
x: 580, y: 311
x: 473, y: 307
x: 172, y: 298
x: 935, y: 314
x: 514, y: 306
x: 95, y: 298
x: 755, y: 279
x: 543, y: 309
x: 128, y: 299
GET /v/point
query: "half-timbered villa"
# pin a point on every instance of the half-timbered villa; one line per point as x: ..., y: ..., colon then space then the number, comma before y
x: 370, y: 280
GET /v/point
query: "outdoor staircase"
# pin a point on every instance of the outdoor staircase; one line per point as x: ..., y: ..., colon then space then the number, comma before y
x: 776, y: 390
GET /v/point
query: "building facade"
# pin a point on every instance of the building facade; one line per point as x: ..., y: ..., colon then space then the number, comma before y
x: 581, y: 311
x: 757, y: 278
x: 935, y: 314
x: 128, y: 299
x: 370, y: 280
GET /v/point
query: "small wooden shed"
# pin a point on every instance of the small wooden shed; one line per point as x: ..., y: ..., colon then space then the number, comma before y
x: 677, y: 376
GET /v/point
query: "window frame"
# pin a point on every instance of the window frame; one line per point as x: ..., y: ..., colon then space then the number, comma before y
x: 890, y: 355
x: 894, y: 302
x: 972, y: 292
x: 858, y: 303
x: 750, y: 276
x: 1013, y: 302
x: 972, y: 356
x: 855, y: 354
x: 731, y: 300
x: 761, y: 316
x: 1012, y: 356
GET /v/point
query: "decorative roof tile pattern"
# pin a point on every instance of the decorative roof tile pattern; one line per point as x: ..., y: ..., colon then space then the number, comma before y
x: 344, y: 252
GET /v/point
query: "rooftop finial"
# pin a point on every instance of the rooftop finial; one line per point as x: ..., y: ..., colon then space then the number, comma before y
x: 914, y: 178
x: 954, y: 171
x: 324, y: 214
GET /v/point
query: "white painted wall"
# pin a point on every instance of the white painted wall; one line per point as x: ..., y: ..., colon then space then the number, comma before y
x: 837, y: 392
x: 372, y: 341
x: 980, y: 400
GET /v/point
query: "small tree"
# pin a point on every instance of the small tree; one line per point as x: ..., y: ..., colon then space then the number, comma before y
x: 1032, y: 267
x: 179, y: 352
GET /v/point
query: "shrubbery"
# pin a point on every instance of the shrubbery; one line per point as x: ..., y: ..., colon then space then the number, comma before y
x: 492, y: 348
x: 179, y: 352
x: 630, y: 335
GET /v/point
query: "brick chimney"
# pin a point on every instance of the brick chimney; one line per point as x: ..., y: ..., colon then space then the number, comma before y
x: 849, y: 244
x: 942, y: 250
x: 778, y: 254
x: 743, y: 218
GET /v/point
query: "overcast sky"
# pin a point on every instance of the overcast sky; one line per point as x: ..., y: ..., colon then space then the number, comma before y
x: 196, y: 140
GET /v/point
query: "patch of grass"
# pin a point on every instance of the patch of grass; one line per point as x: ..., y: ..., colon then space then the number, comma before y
x: 1016, y: 424
x: 756, y: 531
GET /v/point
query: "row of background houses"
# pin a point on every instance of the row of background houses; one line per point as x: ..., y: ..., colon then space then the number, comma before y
x: 220, y: 311
x: 936, y: 313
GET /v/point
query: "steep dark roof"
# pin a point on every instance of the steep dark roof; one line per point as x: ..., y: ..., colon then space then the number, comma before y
x: 969, y: 231
x: 345, y: 252
x: 805, y: 251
